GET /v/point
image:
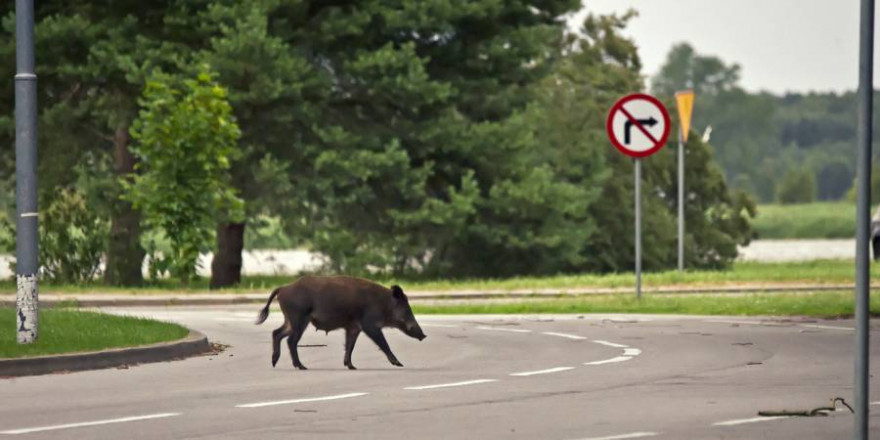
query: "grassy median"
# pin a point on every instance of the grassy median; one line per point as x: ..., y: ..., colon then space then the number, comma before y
x: 819, y: 304
x: 821, y: 272
x: 70, y: 331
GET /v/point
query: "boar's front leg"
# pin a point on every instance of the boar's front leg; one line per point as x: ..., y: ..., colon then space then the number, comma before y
x: 351, y: 334
x: 375, y: 333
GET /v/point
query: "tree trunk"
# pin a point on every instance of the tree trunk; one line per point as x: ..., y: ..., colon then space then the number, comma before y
x: 125, y: 255
x: 226, y: 267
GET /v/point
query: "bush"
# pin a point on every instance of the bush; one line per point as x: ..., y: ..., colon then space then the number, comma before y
x: 72, y: 239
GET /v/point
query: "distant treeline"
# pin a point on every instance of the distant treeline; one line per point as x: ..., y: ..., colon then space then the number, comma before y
x: 794, y: 148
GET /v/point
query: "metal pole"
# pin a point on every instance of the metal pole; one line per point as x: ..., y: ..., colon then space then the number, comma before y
x: 863, y: 218
x: 680, y: 200
x: 25, y: 174
x: 638, y: 184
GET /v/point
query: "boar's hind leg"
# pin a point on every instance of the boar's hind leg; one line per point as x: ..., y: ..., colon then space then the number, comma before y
x: 277, y: 335
x: 351, y: 334
x: 298, y: 325
x: 375, y: 333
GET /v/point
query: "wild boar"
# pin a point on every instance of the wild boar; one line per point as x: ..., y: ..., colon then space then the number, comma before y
x: 330, y: 303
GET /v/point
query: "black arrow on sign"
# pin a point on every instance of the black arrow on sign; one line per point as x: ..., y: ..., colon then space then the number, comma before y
x: 629, y: 123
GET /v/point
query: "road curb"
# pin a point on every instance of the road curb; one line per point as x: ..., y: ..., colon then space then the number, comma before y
x: 194, y: 343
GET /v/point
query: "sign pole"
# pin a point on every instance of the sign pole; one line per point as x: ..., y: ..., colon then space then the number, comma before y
x: 638, y: 191
x: 638, y: 126
x: 680, y: 200
x: 25, y: 174
x: 863, y: 219
x: 685, y: 102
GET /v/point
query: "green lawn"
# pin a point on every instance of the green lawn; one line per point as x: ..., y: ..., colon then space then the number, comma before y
x: 820, y: 304
x: 811, y: 220
x: 743, y: 273
x: 68, y: 331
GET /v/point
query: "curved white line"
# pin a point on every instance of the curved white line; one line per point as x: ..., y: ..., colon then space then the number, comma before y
x: 501, y: 329
x: 609, y: 361
x: 611, y: 344
x: 565, y: 335
x: 547, y: 371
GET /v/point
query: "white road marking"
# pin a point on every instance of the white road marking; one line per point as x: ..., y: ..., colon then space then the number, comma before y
x: 501, y: 329
x: 547, y: 371
x: 625, y: 436
x: 751, y: 420
x: 632, y: 352
x: 94, y: 423
x: 565, y: 335
x: 827, y: 327
x: 235, y: 319
x: 609, y: 361
x: 876, y: 403
x: 611, y: 344
x: 454, y: 384
x: 438, y: 325
x: 311, y: 399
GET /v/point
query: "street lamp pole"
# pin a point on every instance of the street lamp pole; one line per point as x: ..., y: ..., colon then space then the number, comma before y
x: 26, y: 221
x: 863, y: 218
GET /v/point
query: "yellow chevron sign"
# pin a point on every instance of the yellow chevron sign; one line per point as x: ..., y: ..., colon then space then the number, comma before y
x: 685, y: 103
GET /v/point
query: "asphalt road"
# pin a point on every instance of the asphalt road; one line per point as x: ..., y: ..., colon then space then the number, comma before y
x: 474, y: 377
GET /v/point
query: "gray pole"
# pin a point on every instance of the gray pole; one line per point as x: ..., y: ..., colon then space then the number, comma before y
x: 25, y: 174
x: 863, y: 218
x: 680, y: 200
x: 638, y: 184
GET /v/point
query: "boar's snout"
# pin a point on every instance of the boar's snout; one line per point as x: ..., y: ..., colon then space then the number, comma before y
x: 414, y: 331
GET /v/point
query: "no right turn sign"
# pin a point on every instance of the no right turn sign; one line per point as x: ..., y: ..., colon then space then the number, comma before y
x: 638, y: 125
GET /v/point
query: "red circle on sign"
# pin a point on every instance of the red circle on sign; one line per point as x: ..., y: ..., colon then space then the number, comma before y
x: 618, y: 106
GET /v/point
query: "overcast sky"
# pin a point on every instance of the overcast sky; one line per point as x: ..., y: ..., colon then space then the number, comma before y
x: 781, y: 45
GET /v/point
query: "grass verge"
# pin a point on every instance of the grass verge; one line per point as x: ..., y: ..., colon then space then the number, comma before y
x: 819, y: 304
x: 821, y: 272
x: 810, y: 220
x: 70, y: 331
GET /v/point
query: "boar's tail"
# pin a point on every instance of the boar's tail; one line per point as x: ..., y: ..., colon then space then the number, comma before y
x: 265, y: 312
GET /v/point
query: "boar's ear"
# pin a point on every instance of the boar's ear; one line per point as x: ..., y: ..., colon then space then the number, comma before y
x: 397, y: 292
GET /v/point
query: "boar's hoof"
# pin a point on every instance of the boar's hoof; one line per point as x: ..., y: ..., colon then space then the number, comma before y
x: 275, y: 360
x: 351, y: 367
x: 300, y: 367
x: 396, y: 362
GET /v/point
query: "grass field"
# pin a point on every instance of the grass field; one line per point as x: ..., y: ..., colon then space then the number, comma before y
x: 820, y: 304
x: 812, y: 220
x: 742, y: 273
x: 69, y: 331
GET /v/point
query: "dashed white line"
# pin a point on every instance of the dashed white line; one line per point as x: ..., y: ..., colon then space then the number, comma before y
x: 609, y: 361
x: 565, y: 335
x: 632, y: 352
x: 453, y: 384
x: 547, y: 371
x: 876, y: 403
x: 94, y: 423
x: 751, y: 420
x: 501, y: 329
x: 827, y: 327
x: 611, y: 344
x: 625, y: 436
x: 311, y: 399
